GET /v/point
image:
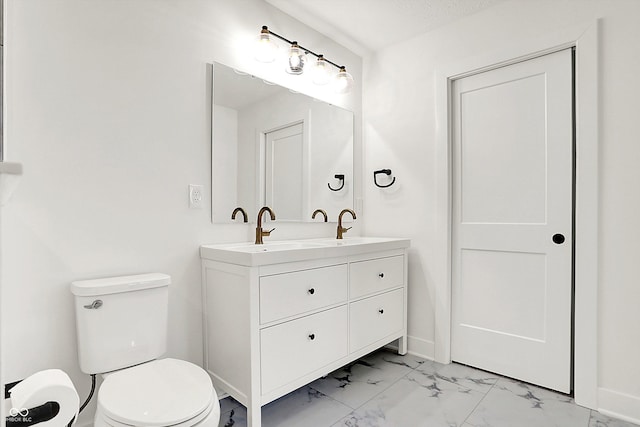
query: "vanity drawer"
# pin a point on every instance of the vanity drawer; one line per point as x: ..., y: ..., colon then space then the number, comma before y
x: 293, y: 349
x: 288, y: 294
x: 376, y: 317
x: 367, y: 277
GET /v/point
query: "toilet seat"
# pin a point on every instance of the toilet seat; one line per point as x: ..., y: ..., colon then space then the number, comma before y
x: 208, y: 418
x: 166, y: 392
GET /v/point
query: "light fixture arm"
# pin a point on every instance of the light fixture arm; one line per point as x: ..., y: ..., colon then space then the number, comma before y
x: 266, y: 29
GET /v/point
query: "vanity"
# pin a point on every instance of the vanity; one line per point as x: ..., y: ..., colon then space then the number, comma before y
x: 280, y: 315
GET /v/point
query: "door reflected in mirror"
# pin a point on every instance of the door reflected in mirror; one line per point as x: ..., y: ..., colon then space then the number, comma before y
x: 273, y: 147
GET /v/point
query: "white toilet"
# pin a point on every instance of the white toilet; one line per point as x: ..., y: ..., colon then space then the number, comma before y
x: 122, y: 329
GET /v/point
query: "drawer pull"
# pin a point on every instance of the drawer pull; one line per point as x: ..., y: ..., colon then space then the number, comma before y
x: 381, y: 311
x: 312, y: 337
x: 311, y: 291
x: 381, y: 275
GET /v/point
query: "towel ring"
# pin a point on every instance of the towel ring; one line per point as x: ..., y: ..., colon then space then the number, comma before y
x: 386, y: 172
x: 339, y: 177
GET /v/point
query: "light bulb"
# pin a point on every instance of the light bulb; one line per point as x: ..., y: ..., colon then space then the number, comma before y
x: 342, y: 82
x: 297, y: 59
x: 321, y: 71
x: 266, y: 49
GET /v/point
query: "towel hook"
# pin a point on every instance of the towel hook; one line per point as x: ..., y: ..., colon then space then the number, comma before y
x: 386, y: 172
x: 339, y: 177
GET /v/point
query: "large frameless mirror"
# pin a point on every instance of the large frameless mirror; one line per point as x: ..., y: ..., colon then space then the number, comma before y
x: 277, y: 148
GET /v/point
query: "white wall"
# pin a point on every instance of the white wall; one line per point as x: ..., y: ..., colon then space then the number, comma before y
x: 400, y: 129
x: 225, y: 160
x: 332, y: 153
x: 108, y: 110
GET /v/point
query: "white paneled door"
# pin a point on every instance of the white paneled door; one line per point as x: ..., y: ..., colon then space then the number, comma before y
x: 285, y: 182
x: 512, y: 220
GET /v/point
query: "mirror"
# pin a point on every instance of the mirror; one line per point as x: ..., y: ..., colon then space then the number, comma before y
x: 277, y: 148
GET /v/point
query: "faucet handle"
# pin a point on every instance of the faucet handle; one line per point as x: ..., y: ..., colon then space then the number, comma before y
x: 267, y: 233
x: 345, y: 229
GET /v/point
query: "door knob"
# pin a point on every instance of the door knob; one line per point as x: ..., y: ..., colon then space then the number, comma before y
x: 558, y: 239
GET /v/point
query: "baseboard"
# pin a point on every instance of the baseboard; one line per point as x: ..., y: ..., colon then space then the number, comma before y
x: 619, y: 405
x: 421, y: 347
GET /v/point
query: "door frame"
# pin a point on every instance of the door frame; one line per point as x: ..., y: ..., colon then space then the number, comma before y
x: 584, y: 38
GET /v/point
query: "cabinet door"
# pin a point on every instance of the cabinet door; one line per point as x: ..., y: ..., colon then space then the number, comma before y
x: 289, y: 294
x: 293, y: 349
x: 375, y: 318
x: 375, y: 275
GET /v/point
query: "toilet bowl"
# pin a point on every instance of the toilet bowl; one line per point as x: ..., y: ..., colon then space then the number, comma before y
x: 165, y: 392
x: 121, y: 324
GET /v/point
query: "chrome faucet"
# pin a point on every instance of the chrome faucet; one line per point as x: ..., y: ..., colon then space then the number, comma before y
x: 341, y: 229
x: 259, y: 232
x: 242, y: 211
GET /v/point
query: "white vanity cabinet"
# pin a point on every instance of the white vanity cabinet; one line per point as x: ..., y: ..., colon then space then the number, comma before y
x: 270, y: 328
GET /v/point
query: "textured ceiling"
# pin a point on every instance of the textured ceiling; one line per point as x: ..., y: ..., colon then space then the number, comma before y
x: 369, y: 25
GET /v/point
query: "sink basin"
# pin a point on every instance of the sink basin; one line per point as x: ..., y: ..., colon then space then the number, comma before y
x: 276, y: 246
x: 276, y: 252
x: 354, y: 241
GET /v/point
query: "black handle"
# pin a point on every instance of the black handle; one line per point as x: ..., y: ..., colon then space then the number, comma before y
x: 558, y: 239
x: 312, y: 337
x: 381, y: 311
x: 381, y: 275
x: 311, y: 291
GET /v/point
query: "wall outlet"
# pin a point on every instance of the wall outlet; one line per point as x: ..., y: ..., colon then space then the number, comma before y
x: 195, y: 196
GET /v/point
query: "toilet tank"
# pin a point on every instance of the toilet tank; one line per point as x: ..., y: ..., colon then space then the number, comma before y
x: 120, y: 321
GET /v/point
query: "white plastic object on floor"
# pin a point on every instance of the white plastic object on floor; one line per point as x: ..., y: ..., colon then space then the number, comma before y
x: 52, y: 385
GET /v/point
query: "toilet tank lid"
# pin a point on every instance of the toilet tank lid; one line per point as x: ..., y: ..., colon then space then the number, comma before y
x: 114, y: 285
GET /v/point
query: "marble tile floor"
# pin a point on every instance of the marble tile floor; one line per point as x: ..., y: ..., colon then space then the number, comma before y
x: 384, y: 389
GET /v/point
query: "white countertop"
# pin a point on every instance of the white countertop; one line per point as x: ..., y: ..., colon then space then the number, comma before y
x: 275, y: 252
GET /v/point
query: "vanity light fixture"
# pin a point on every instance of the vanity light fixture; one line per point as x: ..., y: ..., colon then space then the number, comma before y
x: 266, y: 51
x: 343, y: 81
x: 266, y: 48
x: 321, y: 71
x: 297, y: 59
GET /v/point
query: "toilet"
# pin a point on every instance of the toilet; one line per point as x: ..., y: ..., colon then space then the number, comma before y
x: 121, y: 325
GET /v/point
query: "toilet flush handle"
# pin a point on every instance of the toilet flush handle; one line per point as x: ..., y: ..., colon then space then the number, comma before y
x: 94, y: 305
